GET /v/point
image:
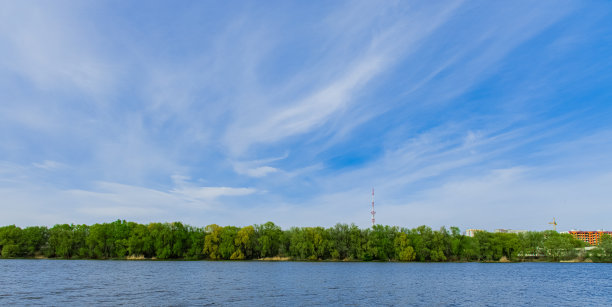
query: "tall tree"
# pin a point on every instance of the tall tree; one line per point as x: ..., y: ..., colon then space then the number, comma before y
x: 245, y: 243
x: 269, y: 239
x: 211, y: 241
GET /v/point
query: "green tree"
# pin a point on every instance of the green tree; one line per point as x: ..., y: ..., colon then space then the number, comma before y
x: 245, y: 243
x: 268, y: 238
x: 119, y: 236
x: 511, y: 245
x: 440, y: 245
x: 196, y: 243
x: 558, y: 246
x: 605, y: 243
x: 381, y: 242
x: 61, y: 239
x: 162, y: 237
x: 34, y: 238
x: 534, y: 243
x: 79, y: 244
x: 421, y: 238
x: 339, y: 239
x: 470, y: 249
x: 603, y: 251
x: 179, y: 239
x: 320, y: 241
x: 455, y: 244
x: 227, y: 238
x: 487, y: 245
x: 403, y: 249
x: 11, y: 242
x: 140, y: 242
x: 357, y: 242
x: 97, y: 241
x: 300, y: 246
x: 211, y: 241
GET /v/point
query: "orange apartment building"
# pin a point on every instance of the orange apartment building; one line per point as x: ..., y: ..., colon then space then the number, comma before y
x: 591, y: 237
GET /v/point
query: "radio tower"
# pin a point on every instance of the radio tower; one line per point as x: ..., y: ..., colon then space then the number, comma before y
x: 373, y: 212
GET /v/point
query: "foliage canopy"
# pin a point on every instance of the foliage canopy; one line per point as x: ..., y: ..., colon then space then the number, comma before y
x: 121, y: 239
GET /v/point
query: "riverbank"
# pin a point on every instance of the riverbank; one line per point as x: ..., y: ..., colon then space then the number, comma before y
x: 268, y: 242
x: 289, y: 259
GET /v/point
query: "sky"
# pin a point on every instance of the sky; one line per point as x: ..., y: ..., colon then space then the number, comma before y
x: 476, y: 114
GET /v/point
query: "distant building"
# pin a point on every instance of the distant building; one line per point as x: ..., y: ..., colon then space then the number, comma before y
x: 591, y: 237
x: 510, y: 231
x: 472, y: 232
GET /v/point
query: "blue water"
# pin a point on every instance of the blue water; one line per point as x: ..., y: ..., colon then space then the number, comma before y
x: 161, y: 283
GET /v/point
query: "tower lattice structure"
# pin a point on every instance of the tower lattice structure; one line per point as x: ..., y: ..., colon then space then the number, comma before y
x: 373, y: 212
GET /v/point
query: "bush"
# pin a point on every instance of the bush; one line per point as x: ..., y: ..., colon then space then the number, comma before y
x: 10, y: 251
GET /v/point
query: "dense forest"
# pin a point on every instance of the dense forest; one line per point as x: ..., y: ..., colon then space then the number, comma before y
x: 121, y: 240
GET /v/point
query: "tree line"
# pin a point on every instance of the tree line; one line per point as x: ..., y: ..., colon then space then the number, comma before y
x: 121, y: 239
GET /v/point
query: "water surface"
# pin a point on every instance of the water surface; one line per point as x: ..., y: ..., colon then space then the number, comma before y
x: 160, y: 283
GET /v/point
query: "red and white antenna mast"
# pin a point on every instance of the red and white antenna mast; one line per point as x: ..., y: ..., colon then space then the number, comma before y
x: 373, y: 212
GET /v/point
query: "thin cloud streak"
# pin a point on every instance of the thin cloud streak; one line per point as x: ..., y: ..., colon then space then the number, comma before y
x: 109, y: 200
x: 453, y: 111
x: 42, y: 47
x: 335, y: 96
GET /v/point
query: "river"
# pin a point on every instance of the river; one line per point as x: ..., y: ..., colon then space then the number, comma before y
x: 186, y: 283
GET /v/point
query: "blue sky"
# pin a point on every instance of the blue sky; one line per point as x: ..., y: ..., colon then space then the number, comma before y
x: 477, y: 114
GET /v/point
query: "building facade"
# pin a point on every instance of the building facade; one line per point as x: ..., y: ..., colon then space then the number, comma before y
x: 517, y: 231
x: 591, y: 237
x: 472, y: 232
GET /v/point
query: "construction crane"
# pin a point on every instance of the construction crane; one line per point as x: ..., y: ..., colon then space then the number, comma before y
x: 554, y: 223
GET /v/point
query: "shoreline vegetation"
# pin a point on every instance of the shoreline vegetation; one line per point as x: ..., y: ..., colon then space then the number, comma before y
x: 121, y: 240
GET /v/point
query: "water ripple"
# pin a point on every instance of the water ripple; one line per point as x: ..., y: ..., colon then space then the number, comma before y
x: 172, y: 283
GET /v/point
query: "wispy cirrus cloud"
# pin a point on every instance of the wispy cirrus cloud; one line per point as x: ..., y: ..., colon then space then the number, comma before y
x: 111, y: 200
x: 334, y: 95
x: 49, y: 51
x: 48, y: 165
x: 432, y: 104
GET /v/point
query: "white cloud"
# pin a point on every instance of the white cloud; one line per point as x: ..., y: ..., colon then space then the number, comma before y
x: 192, y: 192
x: 509, y: 198
x: 257, y: 172
x: 350, y: 71
x: 306, y: 114
x: 257, y: 168
x: 120, y: 212
x: 210, y: 193
x: 49, y: 165
x: 516, y: 198
x: 45, y: 44
x: 184, y: 192
x: 110, y: 200
x: 471, y: 138
x: 186, y: 110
